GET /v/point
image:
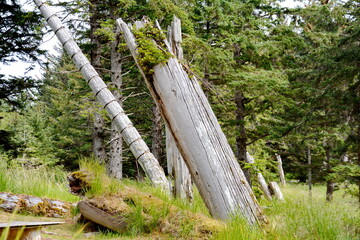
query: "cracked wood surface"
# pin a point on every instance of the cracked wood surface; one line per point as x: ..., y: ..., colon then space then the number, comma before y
x: 198, y: 135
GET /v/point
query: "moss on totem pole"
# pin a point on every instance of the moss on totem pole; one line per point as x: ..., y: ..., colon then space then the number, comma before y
x: 151, y: 47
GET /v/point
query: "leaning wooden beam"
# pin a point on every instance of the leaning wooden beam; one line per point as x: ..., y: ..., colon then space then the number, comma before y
x: 117, y: 115
x: 197, y: 133
x: 263, y: 185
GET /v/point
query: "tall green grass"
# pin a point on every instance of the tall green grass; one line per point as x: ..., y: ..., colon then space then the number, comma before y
x: 300, y: 217
x: 41, y: 182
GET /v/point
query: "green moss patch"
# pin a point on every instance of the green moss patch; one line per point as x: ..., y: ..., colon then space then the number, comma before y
x: 151, y: 47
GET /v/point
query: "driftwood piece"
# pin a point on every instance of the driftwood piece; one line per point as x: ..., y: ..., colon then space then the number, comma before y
x: 116, y: 223
x: 116, y: 113
x: 35, y: 205
x: 198, y: 135
x: 276, y: 191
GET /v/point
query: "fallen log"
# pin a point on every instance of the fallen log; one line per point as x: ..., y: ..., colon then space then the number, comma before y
x: 122, y: 212
x: 23, y: 203
x: 116, y: 223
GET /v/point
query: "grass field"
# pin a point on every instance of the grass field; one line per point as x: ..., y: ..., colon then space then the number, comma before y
x: 298, y: 217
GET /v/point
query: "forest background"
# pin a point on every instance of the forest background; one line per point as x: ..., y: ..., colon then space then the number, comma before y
x: 282, y: 81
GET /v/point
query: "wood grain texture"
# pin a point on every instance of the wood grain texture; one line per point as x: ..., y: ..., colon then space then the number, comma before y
x: 199, y: 137
x: 177, y: 168
x: 96, y: 215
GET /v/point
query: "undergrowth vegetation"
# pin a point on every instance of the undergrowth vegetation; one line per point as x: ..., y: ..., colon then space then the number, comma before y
x: 298, y: 217
x: 40, y: 182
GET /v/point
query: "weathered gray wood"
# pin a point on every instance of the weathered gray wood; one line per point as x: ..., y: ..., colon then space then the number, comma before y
x: 276, y: 191
x: 116, y: 223
x: 280, y: 170
x: 263, y: 185
x: 35, y: 205
x: 137, y: 146
x: 177, y: 168
x: 198, y: 135
x: 23, y: 230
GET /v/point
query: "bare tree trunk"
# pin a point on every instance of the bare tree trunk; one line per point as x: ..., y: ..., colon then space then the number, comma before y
x: 177, y: 168
x: 114, y: 164
x: 241, y: 135
x: 198, y: 135
x: 280, y: 170
x: 330, y: 184
x: 263, y: 185
x: 309, y: 171
x: 98, y: 134
x: 358, y: 156
x: 157, y: 135
x: 117, y: 115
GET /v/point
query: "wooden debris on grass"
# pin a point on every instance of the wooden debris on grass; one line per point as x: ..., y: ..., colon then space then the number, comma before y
x: 23, y: 203
x: 119, y: 211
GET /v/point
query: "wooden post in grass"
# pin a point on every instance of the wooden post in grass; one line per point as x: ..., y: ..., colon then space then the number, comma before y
x: 263, y: 185
x: 198, y: 135
x: 117, y: 115
x: 276, y: 191
x: 280, y: 170
x: 176, y: 165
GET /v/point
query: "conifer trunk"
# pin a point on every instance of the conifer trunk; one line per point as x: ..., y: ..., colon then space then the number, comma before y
x: 198, y: 135
x: 98, y: 134
x: 114, y: 164
x: 117, y: 115
x: 309, y: 171
x: 330, y: 184
x: 241, y: 134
